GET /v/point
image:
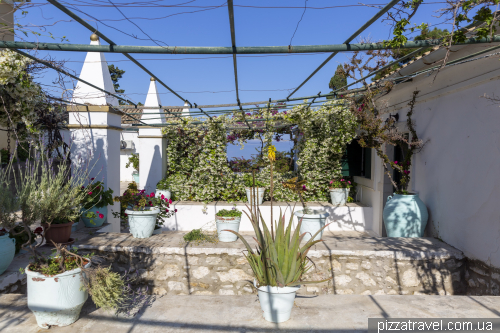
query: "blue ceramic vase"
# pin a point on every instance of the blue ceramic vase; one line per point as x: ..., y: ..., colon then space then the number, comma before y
x: 97, y: 221
x: 7, y: 251
x: 405, y: 215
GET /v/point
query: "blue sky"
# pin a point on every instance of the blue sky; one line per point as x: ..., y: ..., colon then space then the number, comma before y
x: 209, y: 79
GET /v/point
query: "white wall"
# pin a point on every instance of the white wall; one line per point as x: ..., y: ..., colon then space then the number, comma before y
x: 457, y: 174
x: 126, y: 173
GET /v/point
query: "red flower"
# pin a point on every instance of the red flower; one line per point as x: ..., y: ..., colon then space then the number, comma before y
x: 152, y: 195
x: 147, y: 195
x: 90, y: 193
x: 175, y: 210
x: 92, y: 178
x: 162, y: 196
x: 169, y: 200
x: 150, y: 203
x: 38, y: 231
x: 101, y: 216
x: 166, y: 210
x: 97, y: 212
x: 125, y: 214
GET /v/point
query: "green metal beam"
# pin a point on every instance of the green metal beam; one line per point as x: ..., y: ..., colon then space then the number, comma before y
x: 109, y: 41
x: 229, y: 50
x: 348, y: 40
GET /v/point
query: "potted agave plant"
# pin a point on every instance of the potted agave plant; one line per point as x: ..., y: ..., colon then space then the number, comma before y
x: 313, y: 220
x: 59, y: 284
x: 251, y: 187
x: 278, y: 264
x: 145, y: 213
x: 339, y: 191
x: 227, y: 219
x: 134, y: 161
x: 96, y: 200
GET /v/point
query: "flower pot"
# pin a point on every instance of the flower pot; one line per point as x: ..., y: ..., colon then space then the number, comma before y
x: 339, y: 196
x: 405, y: 216
x: 166, y: 193
x: 7, y: 251
x: 95, y: 222
x: 135, y: 176
x: 57, y: 233
x: 227, y: 223
x: 312, y: 221
x: 276, y: 302
x: 56, y: 300
x: 142, y: 222
x: 260, y: 195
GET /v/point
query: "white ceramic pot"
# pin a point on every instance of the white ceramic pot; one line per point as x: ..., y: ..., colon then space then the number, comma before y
x: 227, y: 223
x: 166, y: 193
x: 56, y: 300
x: 313, y: 221
x: 260, y: 195
x: 142, y: 222
x: 276, y: 302
x: 339, y: 196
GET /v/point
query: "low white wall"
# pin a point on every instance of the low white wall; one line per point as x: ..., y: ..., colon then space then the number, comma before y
x: 190, y: 216
x: 126, y: 173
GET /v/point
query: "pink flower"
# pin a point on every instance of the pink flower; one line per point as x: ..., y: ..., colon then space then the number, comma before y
x: 304, y: 187
x: 152, y: 195
x: 349, y: 182
x: 147, y: 195
x: 170, y: 201
x: 395, y: 162
x: 342, y: 180
x: 166, y: 210
x: 331, y: 181
x: 97, y: 212
x: 162, y: 196
x: 101, y: 216
x: 175, y: 210
x: 90, y: 193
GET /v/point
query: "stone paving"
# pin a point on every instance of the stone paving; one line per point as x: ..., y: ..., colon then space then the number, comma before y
x: 217, y: 314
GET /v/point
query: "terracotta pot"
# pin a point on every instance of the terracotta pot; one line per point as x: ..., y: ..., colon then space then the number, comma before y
x: 59, y: 233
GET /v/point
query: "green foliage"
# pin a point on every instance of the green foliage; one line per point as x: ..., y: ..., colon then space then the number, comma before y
x: 340, y: 183
x: 229, y: 213
x: 106, y: 288
x: 95, y: 196
x: 163, y: 184
x: 198, y: 237
x: 279, y: 261
x: 248, y: 180
x: 338, y: 80
x: 116, y: 74
x: 134, y: 161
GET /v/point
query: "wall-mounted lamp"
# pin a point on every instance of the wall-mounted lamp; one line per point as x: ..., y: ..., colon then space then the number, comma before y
x: 394, y: 119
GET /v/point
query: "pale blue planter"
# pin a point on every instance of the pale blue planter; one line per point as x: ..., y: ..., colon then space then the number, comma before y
x: 56, y: 300
x: 313, y: 221
x: 135, y: 176
x: 405, y: 216
x: 339, y: 196
x: 142, y: 222
x: 227, y: 223
x: 7, y: 251
x: 97, y: 221
x: 276, y: 302
x: 259, y: 192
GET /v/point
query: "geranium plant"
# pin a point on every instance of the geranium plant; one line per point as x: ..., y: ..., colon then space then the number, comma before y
x: 340, y: 183
x: 95, y: 195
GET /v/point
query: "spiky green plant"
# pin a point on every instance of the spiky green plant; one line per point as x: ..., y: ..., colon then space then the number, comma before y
x: 279, y: 261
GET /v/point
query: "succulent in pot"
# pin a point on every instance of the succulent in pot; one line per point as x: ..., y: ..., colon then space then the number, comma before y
x: 339, y: 191
x: 254, y: 188
x: 228, y: 219
x: 96, y: 199
x: 144, y: 212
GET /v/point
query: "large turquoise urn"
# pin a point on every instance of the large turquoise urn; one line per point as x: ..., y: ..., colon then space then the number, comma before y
x: 7, y: 251
x: 405, y: 215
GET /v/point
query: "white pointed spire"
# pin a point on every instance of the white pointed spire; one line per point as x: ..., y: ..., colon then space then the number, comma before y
x: 186, y: 111
x: 150, y: 116
x: 95, y: 70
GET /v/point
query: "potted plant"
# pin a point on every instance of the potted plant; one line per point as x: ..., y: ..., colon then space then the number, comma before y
x: 278, y: 265
x: 59, y: 231
x: 134, y: 161
x: 163, y: 188
x: 339, y: 191
x: 259, y: 188
x: 227, y: 219
x: 313, y: 220
x: 94, y: 211
x: 58, y: 285
x: 144, y: 212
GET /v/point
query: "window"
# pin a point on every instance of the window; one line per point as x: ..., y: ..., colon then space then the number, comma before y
x: 357, y: 161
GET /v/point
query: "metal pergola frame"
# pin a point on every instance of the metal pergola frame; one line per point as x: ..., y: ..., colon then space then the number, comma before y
x: 234, y: 50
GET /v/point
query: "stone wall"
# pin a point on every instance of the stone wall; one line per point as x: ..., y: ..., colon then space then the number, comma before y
x: 201, y: 271
x: 482, y: 279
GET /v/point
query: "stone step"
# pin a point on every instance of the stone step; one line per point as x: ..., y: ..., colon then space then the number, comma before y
x: 218, y: 314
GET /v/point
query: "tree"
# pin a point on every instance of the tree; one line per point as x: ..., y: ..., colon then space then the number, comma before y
x: 116, y: 74
x: 338, y: 80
